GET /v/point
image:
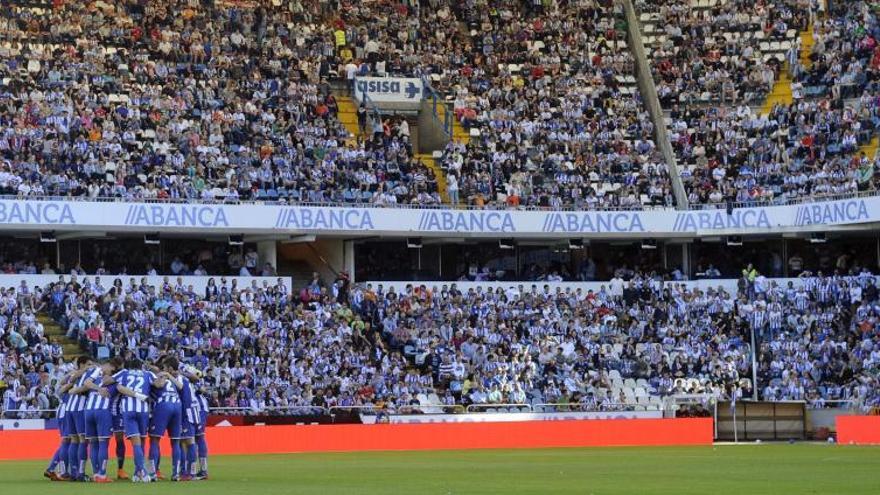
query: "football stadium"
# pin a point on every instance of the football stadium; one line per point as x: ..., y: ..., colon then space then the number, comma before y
x: 431, y: 246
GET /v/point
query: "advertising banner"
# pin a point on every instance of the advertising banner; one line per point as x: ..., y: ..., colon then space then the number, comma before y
x: 389, y: 89
x: 358, y: 220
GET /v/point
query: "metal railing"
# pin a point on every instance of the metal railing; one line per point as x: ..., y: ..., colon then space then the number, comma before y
x: 839, y: 403
x: 486, y: 407
x: 364, y: 407
x: 405, y: 409
x: 488, y: 207
x: 579, y: 407
x: 26, y: 413
x: 324, y: 204
x: 816, y: 198
x: 436, y: 100
x: 371, y: 106
x: 270, y: 410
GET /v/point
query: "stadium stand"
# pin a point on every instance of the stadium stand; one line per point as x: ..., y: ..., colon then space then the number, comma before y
x: 554, y: 114
x: 232, y: 101
x: 719, y: 51
x: 214, y: 104
x: 627, y: 344
x: 252, y: 116
x: 764, y: 101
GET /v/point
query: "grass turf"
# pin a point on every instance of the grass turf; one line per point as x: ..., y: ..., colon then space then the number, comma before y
x: 741, y: 469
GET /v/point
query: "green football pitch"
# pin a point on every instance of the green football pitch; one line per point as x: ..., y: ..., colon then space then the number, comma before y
x: 735, y: 469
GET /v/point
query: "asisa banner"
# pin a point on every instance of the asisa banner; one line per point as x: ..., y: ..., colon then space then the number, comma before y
x: 389, y: 89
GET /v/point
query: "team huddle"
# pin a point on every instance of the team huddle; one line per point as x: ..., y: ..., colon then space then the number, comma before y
x: 130, y: 400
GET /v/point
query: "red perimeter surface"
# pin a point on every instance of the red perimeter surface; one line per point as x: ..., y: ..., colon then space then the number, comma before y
x: 858, y: 429
x: 41, y: 444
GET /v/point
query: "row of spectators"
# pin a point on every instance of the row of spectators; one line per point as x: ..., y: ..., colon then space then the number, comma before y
x: 124, y: 255
x: 264, y: 347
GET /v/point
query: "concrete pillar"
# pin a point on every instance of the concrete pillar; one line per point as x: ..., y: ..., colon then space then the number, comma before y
x: 348, y: 258
x: 268, y: 252
x: 686, y: 259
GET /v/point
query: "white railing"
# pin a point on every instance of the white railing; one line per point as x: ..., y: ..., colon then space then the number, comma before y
x: 269, y: 410
x: 405, y: 409
x: 399, y: 286
x: 324, y: 204
x: 816, y: 198
x: 26, y: 413
x: 504, y: 407
x: 610, y: 407
x: 198, y: 283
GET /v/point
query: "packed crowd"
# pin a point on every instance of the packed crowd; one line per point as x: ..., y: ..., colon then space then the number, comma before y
x: 220, y: 102
x: 819, y: 342
x: 844, y: 59
x: 729, y: 52
x: 804, y: 150
x: 31, y: 364
x: 715, y: 63
x: 231, y: 100
x: 555, y: 117
x: 265, y: 348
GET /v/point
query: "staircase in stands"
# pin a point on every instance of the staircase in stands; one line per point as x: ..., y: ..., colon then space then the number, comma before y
x: 781, y: 93
x: 459, y: 135
x: 56, y: 335
x: 870, y: 148
x: 807, y: 42
x: 347, y: 114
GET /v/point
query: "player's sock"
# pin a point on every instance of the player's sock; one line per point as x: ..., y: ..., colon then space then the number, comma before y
x: 73, y: 459
x: 138, y: 459
x: 190, y: 458
x: 203, y: 453
x: 83, y: 457
x: 175, y: 458
x: 154, y: 454
x: 103, y: 454
x: 120, y: 454
x: 96, y: 457
x: 55, y: 460
x: 158, y: 455
x: 63, y: 457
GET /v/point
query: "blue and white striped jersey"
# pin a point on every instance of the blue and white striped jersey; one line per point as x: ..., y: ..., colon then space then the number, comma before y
x: 203, y: 403
x: 190, y: 401
x: 62, y: 407
x: 94, y: 400
x: 138, y: 381
x: 77, y: 402
x: 63, y: 398
x: 115, y: 402
x: 168, y: 393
